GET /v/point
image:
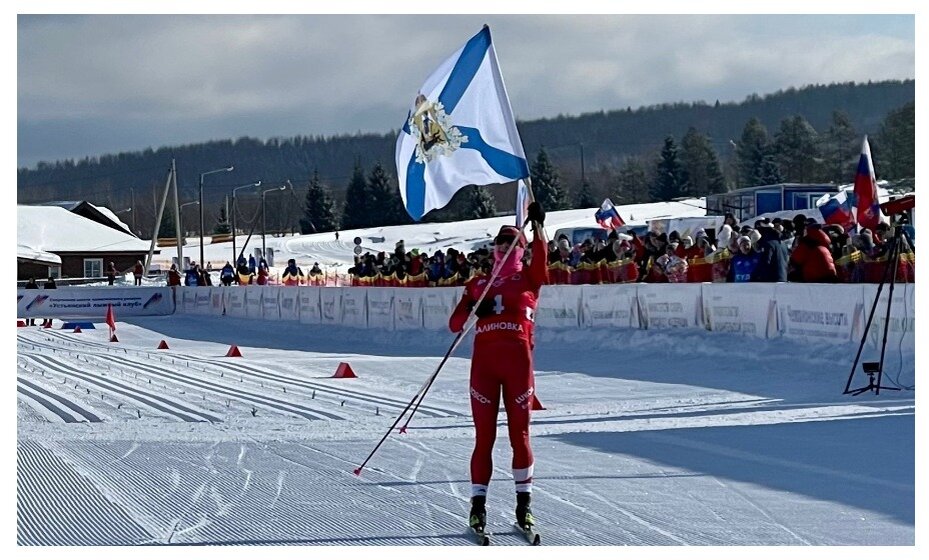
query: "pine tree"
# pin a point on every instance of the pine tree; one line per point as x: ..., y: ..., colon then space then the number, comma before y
x: 385, y: 203
x: 632, y: 185
x: 167, y: 227
x: 894, y: 148
x: 796, y: 146
x: 669, y: 175
x: 755, y: 156
x: 840, y: 147
x: 545, y: 183
x: 318, y: 208
x: 480, y: 203
x: 585, y: 196
x: 702, y: 172
x: 357, y: 211
x: 222, y: 226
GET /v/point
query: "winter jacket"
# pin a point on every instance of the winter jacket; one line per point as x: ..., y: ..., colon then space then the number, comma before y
x: 744, y: 267
x: 774, y: 256
x: 812, y: 259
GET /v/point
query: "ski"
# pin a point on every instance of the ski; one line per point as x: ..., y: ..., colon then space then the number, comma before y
x: 482, y: 536
x: 529, y: 534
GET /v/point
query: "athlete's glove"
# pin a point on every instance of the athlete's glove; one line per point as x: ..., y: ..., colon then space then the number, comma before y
x: 536, y: 214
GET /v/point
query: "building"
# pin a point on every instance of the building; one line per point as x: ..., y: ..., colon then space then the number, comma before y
x: 100, y: 214
x: 749, y: 202
x: 83, y: 247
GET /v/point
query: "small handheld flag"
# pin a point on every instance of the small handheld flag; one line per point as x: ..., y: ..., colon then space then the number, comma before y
x: 608, y: 217
x: 868, y: 205
x: 837, y: 209
x: 459, y: 131
x: 111, y: 319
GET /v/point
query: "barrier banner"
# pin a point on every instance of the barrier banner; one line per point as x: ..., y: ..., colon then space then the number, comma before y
x: 902, y: 324
x: 828, y: 312
x: 252, y: 301
x: 290, y: 304
x: 188, y: 299
x: 670, y: 306
x: 217, y: 300
x: 202, y: 299
x: 308, y: 300
x: 235, y: 301
x: 408, y: 309
x: 353, y: 307
x: 330, y: 304
x: 609, y: 306
x: 86, y: 301
x: 745, y: 307
x: 438, y: 304
x: 558, y: 306
x: 270, y: 303
x: 380, y: 308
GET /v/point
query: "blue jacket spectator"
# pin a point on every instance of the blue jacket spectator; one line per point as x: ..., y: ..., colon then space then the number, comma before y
x: 774, y: 255
x: 745, y: 263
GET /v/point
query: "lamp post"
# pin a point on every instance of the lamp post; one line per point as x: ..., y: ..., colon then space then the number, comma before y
x: 280, y: 188
x: 235, y: 255
x: 200, y: 200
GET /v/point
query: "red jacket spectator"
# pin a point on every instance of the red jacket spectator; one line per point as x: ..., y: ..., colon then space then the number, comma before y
x: 812, y: 257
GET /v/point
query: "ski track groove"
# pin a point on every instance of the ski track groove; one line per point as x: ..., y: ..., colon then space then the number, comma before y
x: 68, y: 411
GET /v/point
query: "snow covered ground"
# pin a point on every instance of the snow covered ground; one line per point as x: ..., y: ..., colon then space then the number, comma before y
x: 648, y: 438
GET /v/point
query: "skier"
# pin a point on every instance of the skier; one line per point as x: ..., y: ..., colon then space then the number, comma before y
x: 502, y: 359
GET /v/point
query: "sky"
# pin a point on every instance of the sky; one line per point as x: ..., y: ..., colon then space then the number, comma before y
x: 94, y: 84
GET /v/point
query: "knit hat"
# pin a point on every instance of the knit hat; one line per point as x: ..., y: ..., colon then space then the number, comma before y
x: 688, y: 241
x: 745, y: 239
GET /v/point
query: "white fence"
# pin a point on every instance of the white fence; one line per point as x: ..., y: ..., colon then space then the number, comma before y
x: 86, y: 301
x: 825, y: 312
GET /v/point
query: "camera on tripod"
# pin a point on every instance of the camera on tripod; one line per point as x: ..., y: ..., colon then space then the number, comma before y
x: 871, y: 367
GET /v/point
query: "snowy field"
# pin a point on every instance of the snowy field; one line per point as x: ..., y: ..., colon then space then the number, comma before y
x: 648, y: 438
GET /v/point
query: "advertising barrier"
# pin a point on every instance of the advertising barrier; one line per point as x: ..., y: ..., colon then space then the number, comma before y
x: 270, y: 303
x: 669, y: 306
x: 290, y: 304
x: 902, y: 325
x: 309, y: 302
x: 330, y: 303
x: 92, y: 302
x: 381, y: 308
x: 354, y: 307
x: 235, y: 301
x: 438, y: 304
x: 217, y: 300
x: 559, y: 306
x: 610, y: 305
x: 828, y: 312
x: 408, y: 309
x: 746, y: 308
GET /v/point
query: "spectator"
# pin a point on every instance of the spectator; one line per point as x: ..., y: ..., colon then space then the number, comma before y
x: 263, y: 275
x: 191, y: 277
x: 138, y: 270
x: 111, y: 273
x: 252, y: 264
x: 174, y: 277
x: 745, y: 262
x: 31, y: 285
x: 812, y: 261
x: 704, y: 247
x: 315, y: 270
x: 50, y: 284
x: 773, y: 255
x: 227, y: 274
x: 293, y: 274
x: 244, y: 274
x: 673, y: 267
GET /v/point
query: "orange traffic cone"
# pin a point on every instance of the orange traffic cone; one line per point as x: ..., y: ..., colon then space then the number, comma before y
x: 537, y: 404
x: 233, y: 352
x: 113, y: 338
x: 77, y: 330
x: 344, y: 371
x: 162, y: 345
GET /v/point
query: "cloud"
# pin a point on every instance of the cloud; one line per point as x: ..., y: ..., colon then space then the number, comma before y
x: 184, y: 79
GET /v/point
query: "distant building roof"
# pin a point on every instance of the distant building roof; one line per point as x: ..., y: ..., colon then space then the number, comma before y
x: 53, y: 229
x: 99, y: 214
x: 26, y: 253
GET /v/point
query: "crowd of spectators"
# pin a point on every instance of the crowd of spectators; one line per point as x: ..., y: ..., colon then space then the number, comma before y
x: 769, y: 250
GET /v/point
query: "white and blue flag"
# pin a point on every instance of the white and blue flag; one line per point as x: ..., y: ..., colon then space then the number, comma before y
x: 460, y: 131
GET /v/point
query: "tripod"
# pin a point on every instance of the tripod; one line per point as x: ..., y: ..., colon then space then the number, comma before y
x: 872, y: 368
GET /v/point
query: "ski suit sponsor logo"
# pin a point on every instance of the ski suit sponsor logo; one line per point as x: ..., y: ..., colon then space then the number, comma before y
x: 524, y: 400
x: 479, y: 397
x: 499, y: 326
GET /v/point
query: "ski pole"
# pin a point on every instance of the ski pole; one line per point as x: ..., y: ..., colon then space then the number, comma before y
x: 467, y: 327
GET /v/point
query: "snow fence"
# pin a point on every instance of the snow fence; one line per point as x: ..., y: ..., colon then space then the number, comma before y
x: 824, y: 312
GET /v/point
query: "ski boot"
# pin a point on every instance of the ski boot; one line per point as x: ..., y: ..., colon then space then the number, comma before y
x: 523, y: 512
x: 478, y: 518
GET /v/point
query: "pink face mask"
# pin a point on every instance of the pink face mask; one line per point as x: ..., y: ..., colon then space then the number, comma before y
x: 513, y: 263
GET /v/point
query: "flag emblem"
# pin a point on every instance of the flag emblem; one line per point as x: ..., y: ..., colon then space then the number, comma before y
x: 432, y: 129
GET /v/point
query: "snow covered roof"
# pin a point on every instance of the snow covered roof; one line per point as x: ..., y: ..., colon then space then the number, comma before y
x: 54, y: 229
x: 100, y: 214
x: 26, y: 253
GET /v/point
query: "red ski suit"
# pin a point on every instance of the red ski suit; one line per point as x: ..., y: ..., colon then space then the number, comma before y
x: 502, y: 359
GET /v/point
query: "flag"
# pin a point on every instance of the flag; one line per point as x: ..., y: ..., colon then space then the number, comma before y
x: 522, y: 203
x: 837, y: 208
x: 111, y: 318
x: 608, y: 217
x: 868, y: 206
x: 459, y: 131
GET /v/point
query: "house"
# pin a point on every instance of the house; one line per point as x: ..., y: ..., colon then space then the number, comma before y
x: 749, y: 202
x: 100, y: 214
x: 83, y: 247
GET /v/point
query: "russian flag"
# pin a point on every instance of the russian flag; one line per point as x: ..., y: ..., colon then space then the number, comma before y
x: 837, y: 209
x: 868, y: 205
x: 608, y: 217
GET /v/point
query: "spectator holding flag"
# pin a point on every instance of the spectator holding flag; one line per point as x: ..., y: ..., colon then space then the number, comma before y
x: 608, y: 217
x: 502, y: 359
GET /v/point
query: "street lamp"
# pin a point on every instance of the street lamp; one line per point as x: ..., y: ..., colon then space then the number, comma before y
x: 280, y: 188
x: 235, y: 254
x: 200, y: 200
x: 181, y: 216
